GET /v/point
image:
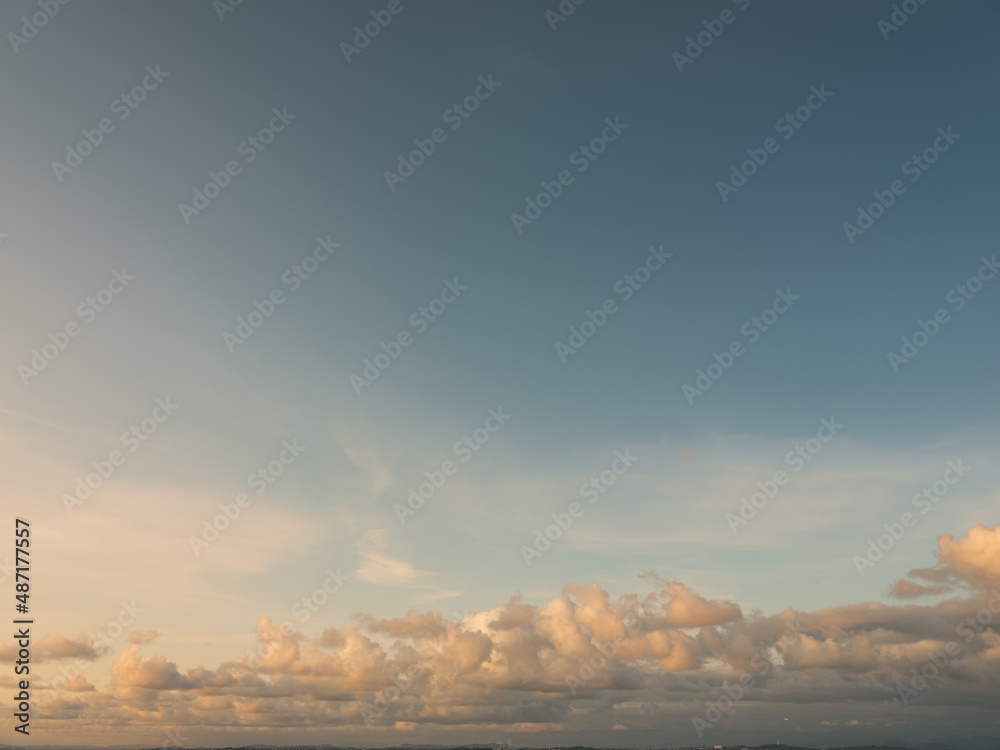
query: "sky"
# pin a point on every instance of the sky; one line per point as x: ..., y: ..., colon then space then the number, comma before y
x: 619, y: 374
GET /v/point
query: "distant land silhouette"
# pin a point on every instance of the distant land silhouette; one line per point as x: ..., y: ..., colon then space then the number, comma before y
x: 978, y: 742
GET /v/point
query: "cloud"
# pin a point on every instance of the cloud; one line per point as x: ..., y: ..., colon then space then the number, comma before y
x: 56, y: 646
x: 143, y: 637
x: 386, y: 571
x: 972, y: 562
x: 904, y: 589
x: 686, y: 609
x: 153, y: 672
x: 413, y: 625
x: 583, y: 659
x: 78, y: 684
x: 975, y: 559
x: 380, y: 568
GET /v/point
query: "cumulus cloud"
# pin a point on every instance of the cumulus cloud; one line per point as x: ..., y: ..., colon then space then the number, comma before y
x: 581, y: 659
x: 971, y: 563
x: 152, y: 672
x: 687, y: 609
x: 413, y: 625
x: 975, y: 559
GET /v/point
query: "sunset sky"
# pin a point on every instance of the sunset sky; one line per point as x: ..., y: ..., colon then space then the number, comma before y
x: 576, y: 396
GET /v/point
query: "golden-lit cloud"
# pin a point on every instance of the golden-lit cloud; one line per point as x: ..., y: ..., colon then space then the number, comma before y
x: 55, y: 646
x: 523, y: 666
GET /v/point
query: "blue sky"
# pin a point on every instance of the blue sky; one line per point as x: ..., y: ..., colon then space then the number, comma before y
x: 494, y: 347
